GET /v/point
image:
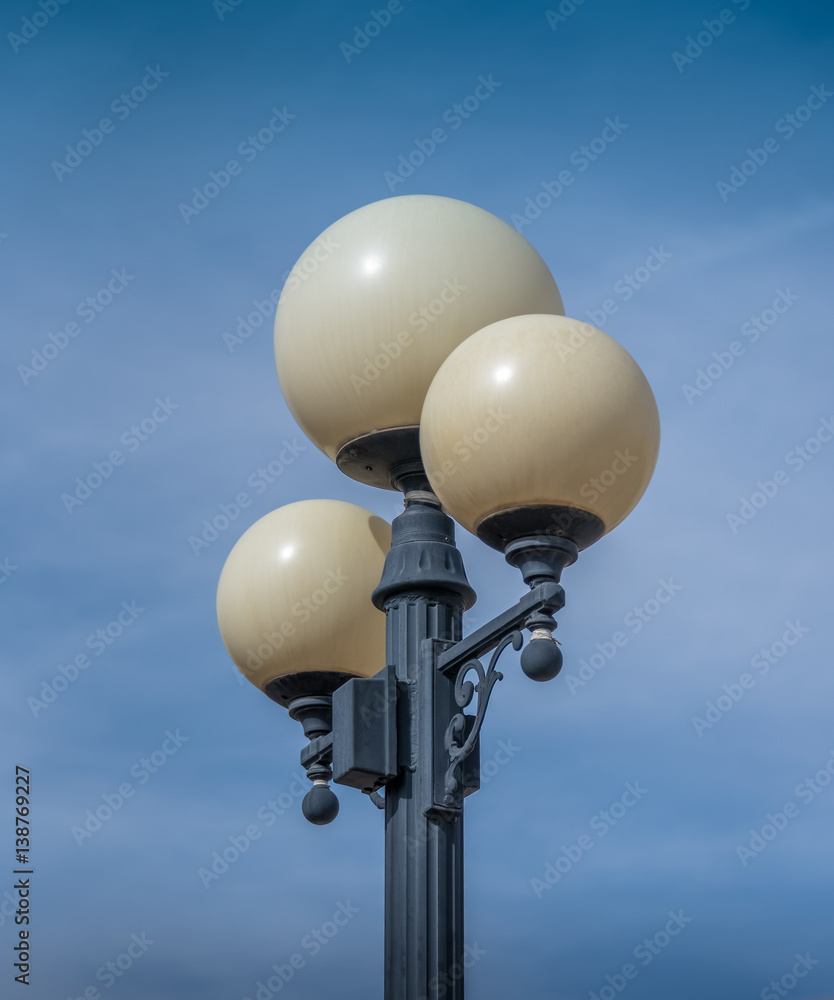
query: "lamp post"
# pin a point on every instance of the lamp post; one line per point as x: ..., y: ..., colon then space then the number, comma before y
x: 421, y: 345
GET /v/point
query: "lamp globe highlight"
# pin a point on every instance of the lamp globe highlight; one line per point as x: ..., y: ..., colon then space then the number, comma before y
x: 539, y: 425
x: 375, y: 305
x: 294, y: 598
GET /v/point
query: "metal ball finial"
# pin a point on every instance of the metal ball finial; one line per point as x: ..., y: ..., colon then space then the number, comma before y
x: 320, y: 805
x: 541, y: 658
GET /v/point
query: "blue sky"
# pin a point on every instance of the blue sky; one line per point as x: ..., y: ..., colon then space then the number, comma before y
x: 109, y: 224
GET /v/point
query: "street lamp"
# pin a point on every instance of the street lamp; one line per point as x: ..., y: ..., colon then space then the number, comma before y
x: 421, y: 345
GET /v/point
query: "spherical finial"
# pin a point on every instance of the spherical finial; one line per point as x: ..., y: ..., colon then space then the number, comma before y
x: 320, y: 805
x: 541, y: 658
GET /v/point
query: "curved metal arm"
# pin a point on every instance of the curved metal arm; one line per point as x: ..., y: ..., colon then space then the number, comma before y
x: 458, y: 747
x: 547, y: 597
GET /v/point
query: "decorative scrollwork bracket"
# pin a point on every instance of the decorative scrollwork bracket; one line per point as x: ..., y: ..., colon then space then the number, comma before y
x: 453, y: 770
x: 461, y: 736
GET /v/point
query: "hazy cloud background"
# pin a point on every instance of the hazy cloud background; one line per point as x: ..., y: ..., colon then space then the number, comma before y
x: 561, y: 76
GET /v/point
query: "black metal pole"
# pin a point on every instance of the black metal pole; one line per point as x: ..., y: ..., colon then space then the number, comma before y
x: 405, y: 728
x: 423, y: 592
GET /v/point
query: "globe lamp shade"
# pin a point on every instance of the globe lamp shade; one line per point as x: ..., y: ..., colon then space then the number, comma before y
x: 375, y: 305
x: 539, y: 425
x: 294, y: 598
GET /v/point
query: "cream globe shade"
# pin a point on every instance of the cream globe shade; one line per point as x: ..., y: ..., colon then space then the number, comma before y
x: 539, y: 425
x: 375, y: 305
x: 294, y: 596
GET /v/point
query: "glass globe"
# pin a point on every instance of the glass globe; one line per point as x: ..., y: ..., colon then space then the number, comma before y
x: 539, y: 424
x: 294, y: 598
x: 375, y: 305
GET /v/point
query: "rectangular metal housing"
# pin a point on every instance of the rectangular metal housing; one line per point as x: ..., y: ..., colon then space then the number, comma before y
x: 364, y: 731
